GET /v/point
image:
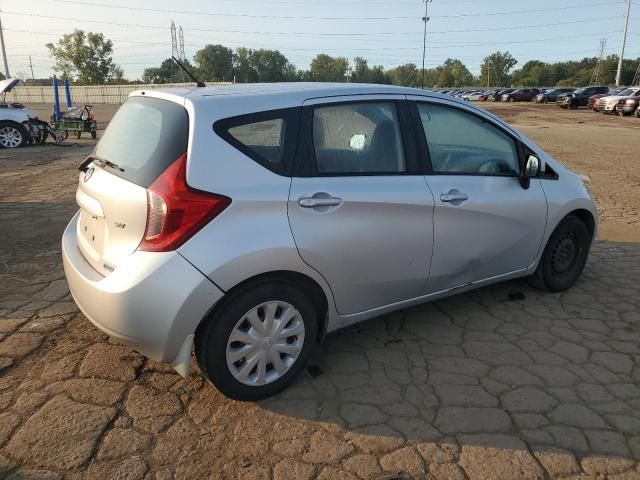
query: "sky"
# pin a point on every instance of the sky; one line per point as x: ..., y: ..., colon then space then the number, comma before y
x: 387, y: 33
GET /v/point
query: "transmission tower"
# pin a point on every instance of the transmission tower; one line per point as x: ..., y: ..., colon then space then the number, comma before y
x: 181, y: 40
x: 174, y: 41
x: 636, y: 77
x: 597, y: 78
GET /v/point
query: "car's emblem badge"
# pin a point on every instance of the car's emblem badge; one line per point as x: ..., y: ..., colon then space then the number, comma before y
x: 87, y: 174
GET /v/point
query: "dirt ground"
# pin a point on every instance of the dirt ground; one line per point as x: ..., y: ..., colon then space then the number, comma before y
x: 504, y: 382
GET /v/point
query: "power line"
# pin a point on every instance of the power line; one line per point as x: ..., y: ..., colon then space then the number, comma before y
x: 457, y: 3
x: 441, y: 45
x: 234, y: 15
x: 337, y: 34
x: 539, y: 10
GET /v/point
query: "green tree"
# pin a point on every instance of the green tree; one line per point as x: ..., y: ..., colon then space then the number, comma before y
x: 325, y: 68
x: 453, y: 73
x: 214, y: 63
x: 534, y: 73
x: 271, y: 66
x: 85, y: 58
x: 362, y: 73
x: 167, y: 72
x: 495, y: 69
x: 262, y: 66
x: 407, y: 75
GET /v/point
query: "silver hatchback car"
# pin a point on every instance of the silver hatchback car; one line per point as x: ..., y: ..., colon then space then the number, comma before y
x: 250, y: 220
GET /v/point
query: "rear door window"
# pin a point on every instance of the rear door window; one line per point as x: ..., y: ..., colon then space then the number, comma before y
x: 145, y: 136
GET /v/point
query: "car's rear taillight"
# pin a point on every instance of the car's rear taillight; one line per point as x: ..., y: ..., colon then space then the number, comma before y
x: 175, y: 211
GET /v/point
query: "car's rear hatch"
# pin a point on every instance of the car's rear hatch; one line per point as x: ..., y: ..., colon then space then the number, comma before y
x: 144, y: 137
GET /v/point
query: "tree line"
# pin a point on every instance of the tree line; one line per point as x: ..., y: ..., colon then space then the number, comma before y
x: 87, y: 58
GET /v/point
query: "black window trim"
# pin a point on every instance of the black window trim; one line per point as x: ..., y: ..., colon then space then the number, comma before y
x: 423, y: 142
x: 305, y: 158
x: 291, y: 119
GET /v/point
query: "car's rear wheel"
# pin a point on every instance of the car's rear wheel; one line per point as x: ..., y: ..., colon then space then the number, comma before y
x: 564, y: 257
x: 258, y: 341
x: 12, y: 135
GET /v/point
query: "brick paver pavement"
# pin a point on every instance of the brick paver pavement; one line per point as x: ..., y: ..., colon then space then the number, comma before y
x: 504, y: 382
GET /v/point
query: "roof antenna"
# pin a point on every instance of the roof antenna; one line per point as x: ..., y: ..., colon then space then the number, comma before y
x: 198, y: 82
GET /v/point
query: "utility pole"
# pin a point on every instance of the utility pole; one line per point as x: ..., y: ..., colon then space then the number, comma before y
x: 347, y: 73
x: 31, y: 67
x: 425, y: 19
x: 624, y: 41
x: 4, y: 53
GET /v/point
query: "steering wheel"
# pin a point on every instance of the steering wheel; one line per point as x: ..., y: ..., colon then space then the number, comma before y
x: 490, y: 166
x: 442, y: 163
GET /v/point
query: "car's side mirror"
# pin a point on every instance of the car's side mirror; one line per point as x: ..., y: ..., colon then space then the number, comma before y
x: 531, y: 170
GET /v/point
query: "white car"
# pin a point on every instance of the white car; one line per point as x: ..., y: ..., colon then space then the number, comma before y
x: 475, y: 97
x: 613, y: 103
x: 18, y: 125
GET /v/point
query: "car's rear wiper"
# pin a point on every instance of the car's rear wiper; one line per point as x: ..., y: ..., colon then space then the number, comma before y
x: 100, y: 161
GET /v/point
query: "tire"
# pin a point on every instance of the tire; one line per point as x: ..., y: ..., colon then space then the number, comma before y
x: 12, y: 135
x: 215, y: 350
x: 94, y: 134
x: 545, y: 101
x: 638, y: 112
x: 564, y: 257
x: 78, y: 134
x: 511, y: 100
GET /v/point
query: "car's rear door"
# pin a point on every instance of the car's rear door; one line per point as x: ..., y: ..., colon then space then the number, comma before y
x: 486, y: 224
x: 144, y: 137
x: 359, y: 208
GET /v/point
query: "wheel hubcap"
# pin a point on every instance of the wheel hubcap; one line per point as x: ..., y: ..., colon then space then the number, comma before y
x: 565, y: 254
x: 10, y: 137
x: 265, y: 343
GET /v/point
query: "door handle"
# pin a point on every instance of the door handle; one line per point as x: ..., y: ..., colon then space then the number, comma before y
x: 454, y: 196
x: 313, y: 202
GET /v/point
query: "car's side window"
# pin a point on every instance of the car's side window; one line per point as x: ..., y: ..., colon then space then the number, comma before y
x: 266, y: 138
x: 354, y: 138
x: 463, y: 143
x: 269, y: 137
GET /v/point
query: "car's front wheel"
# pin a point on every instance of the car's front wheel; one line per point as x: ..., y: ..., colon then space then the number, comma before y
x: 12, y: 135
x: 258, y: 341
x: 564, y: 257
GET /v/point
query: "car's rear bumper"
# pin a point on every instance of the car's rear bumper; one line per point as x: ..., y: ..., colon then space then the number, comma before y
x: 152, y: 303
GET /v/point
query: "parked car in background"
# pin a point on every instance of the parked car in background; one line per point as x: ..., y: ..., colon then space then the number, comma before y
x: 593, y: 102
x: 19, y: 126
x: 579, y: 97
x: 497, y: 96
x: 163, y: 254
x: 520, y: 95
x: 611, y: 103
x: 475, y: 97
x: 629, y: 107
x: 551, y: 95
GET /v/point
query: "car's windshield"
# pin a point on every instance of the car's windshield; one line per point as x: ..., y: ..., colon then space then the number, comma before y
x: 626, y: 93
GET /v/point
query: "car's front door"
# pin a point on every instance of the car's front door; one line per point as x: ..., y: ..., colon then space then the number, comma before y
x: 486, y: 224
x: 359, y: 208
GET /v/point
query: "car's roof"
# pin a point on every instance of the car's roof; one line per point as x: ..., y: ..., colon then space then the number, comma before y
x: 296, y: 89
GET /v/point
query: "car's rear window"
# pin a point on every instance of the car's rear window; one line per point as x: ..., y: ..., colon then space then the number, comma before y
x: 144, y: 137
